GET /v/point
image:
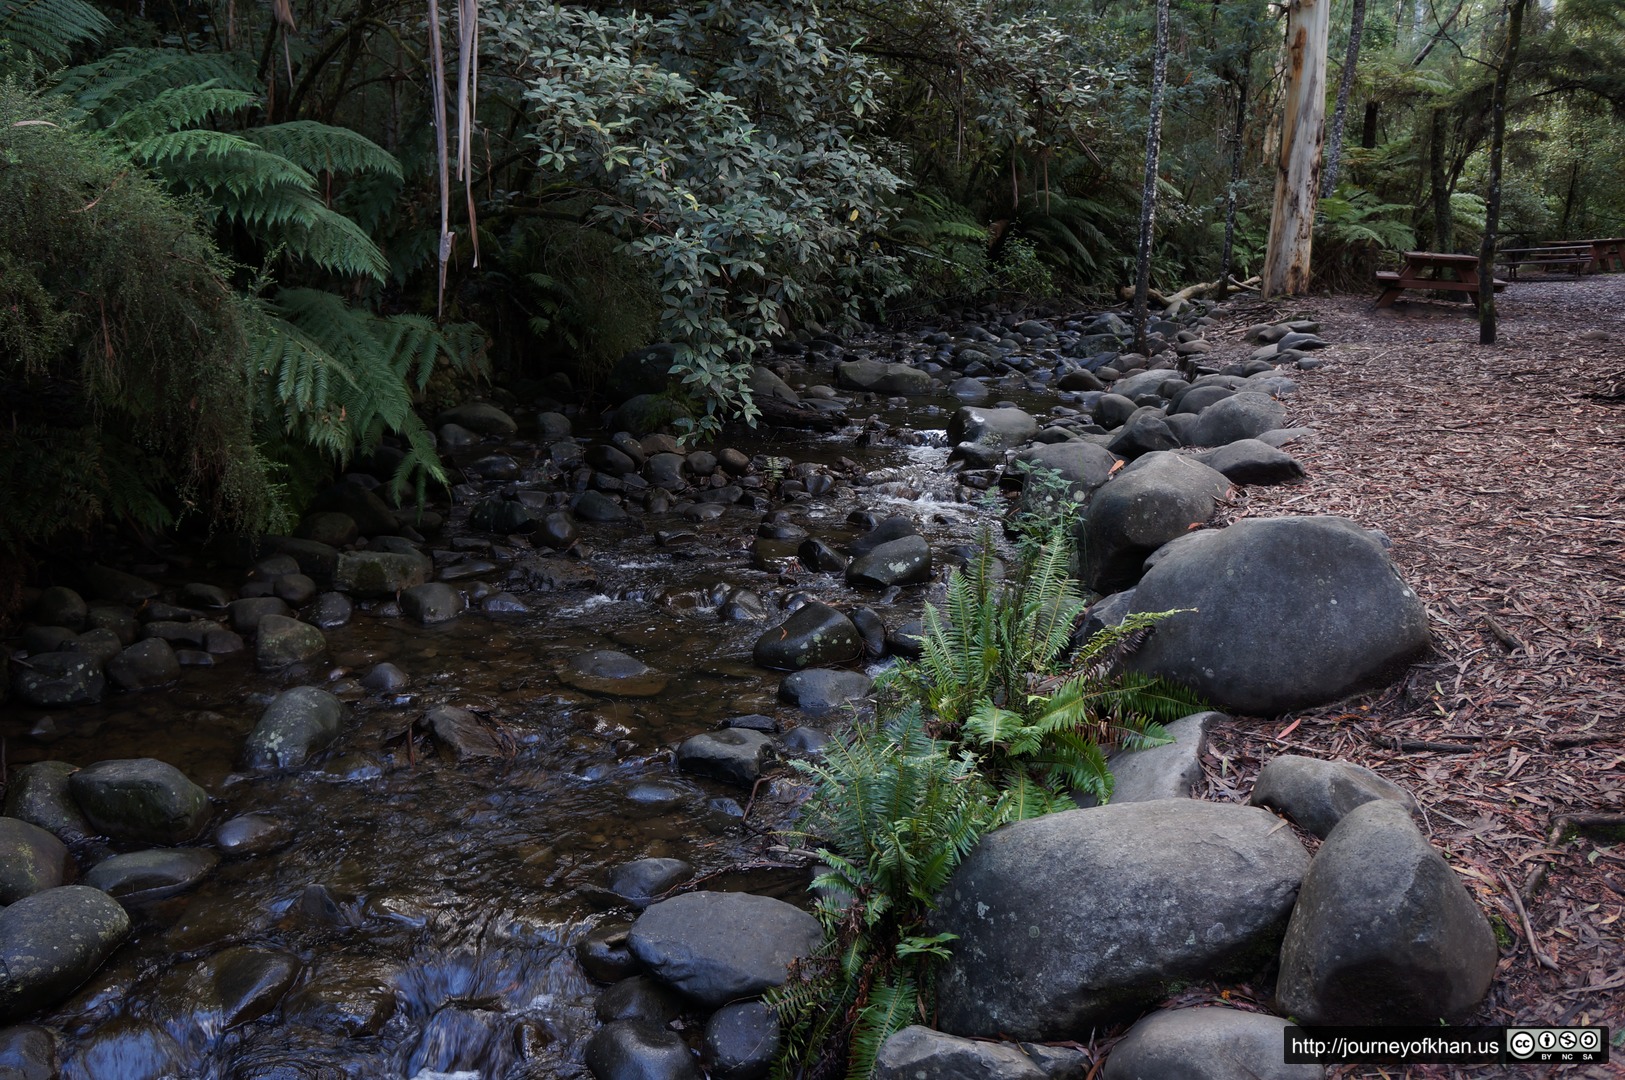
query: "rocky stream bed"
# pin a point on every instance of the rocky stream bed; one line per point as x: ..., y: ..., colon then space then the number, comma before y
x: 401, y: 795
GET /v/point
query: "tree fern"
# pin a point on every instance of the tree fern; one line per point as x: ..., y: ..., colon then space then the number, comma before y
x: 112, y: 85
x: 50, y: 29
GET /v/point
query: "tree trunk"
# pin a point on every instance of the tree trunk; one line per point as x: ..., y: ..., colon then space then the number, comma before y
x: 1345, y: 81
x: 1238, y: 141
x: 1443, y: 225
x: 1297, y: 176
x: 1148, y: 196
x: 1492, y: 200
x: 1368, y: 133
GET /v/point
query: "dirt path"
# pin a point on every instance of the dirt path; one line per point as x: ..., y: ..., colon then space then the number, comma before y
x: 1499, y: 473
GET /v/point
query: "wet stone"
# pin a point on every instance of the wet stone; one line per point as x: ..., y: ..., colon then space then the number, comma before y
x: 252, y: 834
x: 39, y: 794
x: 140, y: 799
x: 732, y: 755
x: 641, y: 880
x: 329, y: 527
x: 806, y: 741
x: 53, y: 941
x: 28, y: 1052
x: 60, y: 606
x: 871, y: 629
x: 105, y: 583
x: 145, y: 664
x: 906, y: 561
x: 379, y: 574
x: 283, y: 641
x: 147, y: 875
x: 130, y: 1050
x: 121, y: 621
x: 296, y: 724
x: 818, y: 689
x: 238, y: 985
x: 432, y: 604
x: 351, y: 1004
x: 464, y: 733
x: 596, y: 507
x: 719, y: 946
x: 815, y: 635
x: 639, y: 1050
x: 47, y: 639
x: 556, y: 530
x: 329, y: 611
x: 741, y: 1041
x: 58, y: 679
x: 31, y: 860
x: 639, y: 997
x: 504, y: 604
x: 295, y: 589
x: 818, y: 556
x: 102, y: 645
x: 223, y: 642
x: 604, y: 671
x: 385, y: 678
x: 657, y: 795
x: 605, y: 953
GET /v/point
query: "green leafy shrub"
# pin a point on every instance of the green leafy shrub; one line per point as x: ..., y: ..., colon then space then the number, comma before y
x: 124, y: 389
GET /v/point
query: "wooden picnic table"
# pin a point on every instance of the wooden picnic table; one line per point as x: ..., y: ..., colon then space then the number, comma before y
x: 1432, y: 271
x: 1608, y: 254
x: 1575, y: 258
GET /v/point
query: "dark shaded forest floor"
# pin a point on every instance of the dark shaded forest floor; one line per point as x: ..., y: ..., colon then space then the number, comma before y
x: 1499, y: 473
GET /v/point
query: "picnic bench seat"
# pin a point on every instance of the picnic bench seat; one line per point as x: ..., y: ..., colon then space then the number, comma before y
x: 1431, y: 271
x: 1572, y: 258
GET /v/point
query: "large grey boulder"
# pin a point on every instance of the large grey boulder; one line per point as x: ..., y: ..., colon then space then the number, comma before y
x: 1288, y: 613
x: 140, y: 799
x: 741, y: 1041
x: 1078, y: 918
x: 814, y: 636
x: 1143, y: 433
x: 1318, y: 794
x: 479, y: 416
x: 31, y: 860
x: 719, y: 946
x: 992, y: 427
x: 820, y: 689
x: 921, y: 1052
x: 145, y: 664
x: 1210, y: 1043
x: 1160, y: 497
x: 1384, y: 931
x: 1243, y: 415
x: 433, y: 603
x: 296, y: 724
x: 53, y: 941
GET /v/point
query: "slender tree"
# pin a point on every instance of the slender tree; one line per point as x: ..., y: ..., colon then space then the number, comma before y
x: 1492, y: 199
x: 1297, y: 175
x: 1345, y: 81
x: 1148, y: 196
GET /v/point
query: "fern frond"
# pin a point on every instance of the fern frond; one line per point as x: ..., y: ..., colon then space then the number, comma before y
x: 180, y: 107
x: 317, y: 147
x: 891, y: 1008
x: 122, y: 80
x: 50, y: 28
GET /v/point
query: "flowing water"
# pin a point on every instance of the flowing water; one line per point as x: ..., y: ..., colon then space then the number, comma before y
x: 434, y: 904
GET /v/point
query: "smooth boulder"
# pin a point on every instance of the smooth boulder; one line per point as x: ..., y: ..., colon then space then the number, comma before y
x: 282, y: 641
x: 1079, y: 918
x: 31, y: 860
x: 814, y: 636
x: 53, y: 941
x: 147, y: 875
x: 379, y: 574
x: 992, y: 427
x: 39, y: 794
x: 732, y: 755
x: 1208, y: 1043
x: 1160, y: 497
x: 719, y: 946
x: 1384, y: 931
x: 1169, y: 771
x: 904, y: 561
x: 1318, y: 794
x: 919, y: 1051
x: 819, y: 689
x: 57, y: 679
x: 639, y: 1050
x: 1288, y: 613
x: 296, y: 724
x: 1243, y: 415
x: 140, y: 799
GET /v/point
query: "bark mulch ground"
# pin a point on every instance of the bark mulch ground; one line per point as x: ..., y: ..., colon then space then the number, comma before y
x: 1499, y: 475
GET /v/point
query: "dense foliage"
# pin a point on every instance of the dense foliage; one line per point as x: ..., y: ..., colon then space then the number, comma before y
x: 722, y: 173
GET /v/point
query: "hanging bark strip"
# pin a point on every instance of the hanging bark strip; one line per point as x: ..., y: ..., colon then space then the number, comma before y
x: 1297, y: 176
x: 468, y: 76
x: 437, y: 77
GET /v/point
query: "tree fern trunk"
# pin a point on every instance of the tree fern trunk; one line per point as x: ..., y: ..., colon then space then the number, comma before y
x: 1148, y: 195
x: 1492, y: 200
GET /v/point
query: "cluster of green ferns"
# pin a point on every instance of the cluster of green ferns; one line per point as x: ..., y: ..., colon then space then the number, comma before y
x: 1004, y: 717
